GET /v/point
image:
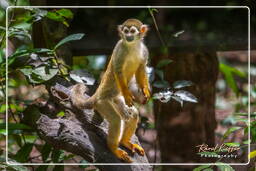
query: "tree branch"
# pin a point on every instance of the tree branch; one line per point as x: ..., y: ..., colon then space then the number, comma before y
x: 80, y: 132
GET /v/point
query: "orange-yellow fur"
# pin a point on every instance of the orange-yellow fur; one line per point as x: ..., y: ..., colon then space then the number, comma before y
x: 113, y: 99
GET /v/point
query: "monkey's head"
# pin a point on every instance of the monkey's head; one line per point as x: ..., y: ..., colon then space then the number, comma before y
x: 132, y: 30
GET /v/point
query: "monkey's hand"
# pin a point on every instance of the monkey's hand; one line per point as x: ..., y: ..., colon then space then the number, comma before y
x: 146, y: 93
x: 129, y: 98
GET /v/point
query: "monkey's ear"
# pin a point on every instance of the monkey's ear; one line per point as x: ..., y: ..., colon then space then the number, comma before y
x: 143, y: 29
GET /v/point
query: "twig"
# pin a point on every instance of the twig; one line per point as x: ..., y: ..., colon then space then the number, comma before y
x: 157, y: 29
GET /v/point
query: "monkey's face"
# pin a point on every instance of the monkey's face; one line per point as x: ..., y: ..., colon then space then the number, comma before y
x: 131, y: 34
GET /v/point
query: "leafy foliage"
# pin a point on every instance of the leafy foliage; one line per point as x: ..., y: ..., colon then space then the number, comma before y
x: 38, y: 65
x: 180, y: 95
x: 69, y: 38
x: 229, y: 73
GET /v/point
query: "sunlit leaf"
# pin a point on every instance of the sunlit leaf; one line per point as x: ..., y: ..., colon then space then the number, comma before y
x: 163, y: 96
x: 232, y: 144
x: 65, y: 13
x: 60, y: 114
x: 54, y: 16
x: 182, y: 83
x: 186, y: 96
x: 252, y: 154
x: 69, y: 38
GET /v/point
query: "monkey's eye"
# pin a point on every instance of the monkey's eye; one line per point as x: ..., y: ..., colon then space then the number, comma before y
x: 126, y: 30
x: 132, y: 30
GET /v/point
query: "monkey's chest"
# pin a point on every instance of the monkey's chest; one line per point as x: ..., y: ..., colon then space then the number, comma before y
x: 131, y: 66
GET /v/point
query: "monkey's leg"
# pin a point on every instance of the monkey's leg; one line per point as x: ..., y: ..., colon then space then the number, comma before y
x: 130, y: 125
x: 107, y: 110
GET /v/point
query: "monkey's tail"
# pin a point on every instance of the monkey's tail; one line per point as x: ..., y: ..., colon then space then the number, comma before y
x: 80, y: 99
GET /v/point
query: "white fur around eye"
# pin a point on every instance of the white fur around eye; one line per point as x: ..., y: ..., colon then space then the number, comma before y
x: 134, y: 28
x: 125, y: 30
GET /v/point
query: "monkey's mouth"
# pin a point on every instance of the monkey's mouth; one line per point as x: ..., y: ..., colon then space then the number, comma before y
x: 129, y: 38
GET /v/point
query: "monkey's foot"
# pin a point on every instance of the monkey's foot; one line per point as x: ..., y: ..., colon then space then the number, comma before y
x: 123, y: 156
x: 146, y: 93
x: 134, y: 148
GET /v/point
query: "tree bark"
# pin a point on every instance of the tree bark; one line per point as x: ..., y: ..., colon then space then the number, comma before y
x: 181, y: 129
x: 81, y: 132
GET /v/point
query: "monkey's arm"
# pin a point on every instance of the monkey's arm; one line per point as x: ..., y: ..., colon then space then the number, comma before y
x: 142, y: 80
x: 123, y: 86
x: 118, y: 62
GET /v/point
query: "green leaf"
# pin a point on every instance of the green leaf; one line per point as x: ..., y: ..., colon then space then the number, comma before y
x: 208, y: 169
x: 181, y: 84
x: 14, y: 126
x: 228, y: 74
x: 3, y: 108
x: 54, y: 16
x: 45, y: 73
x: 200, y: 168
x: 152, y: 10
x: 224, y: 167
x: 39, y: 74
x: 17, y: 168
x: 69, y: 38
x: 247, y: 142
x: 23, y: 154
x: 85, y: 164
x: 1, y: 55
x: 3, y: 132
x: 163, y: 63
x: 57, y: 156
x: 232, y: 144
x: 229, y: 131
x: 25, y: 52
x: 65, y: 13
x: 61, y: 114
x: 46, y: 150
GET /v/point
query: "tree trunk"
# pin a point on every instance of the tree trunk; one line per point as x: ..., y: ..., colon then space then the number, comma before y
x: 181, y: 129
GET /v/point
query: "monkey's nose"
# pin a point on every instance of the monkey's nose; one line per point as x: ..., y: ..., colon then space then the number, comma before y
x: 129, y: 38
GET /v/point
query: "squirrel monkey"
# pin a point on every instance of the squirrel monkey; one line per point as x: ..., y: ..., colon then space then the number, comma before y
x: 113, y: 99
